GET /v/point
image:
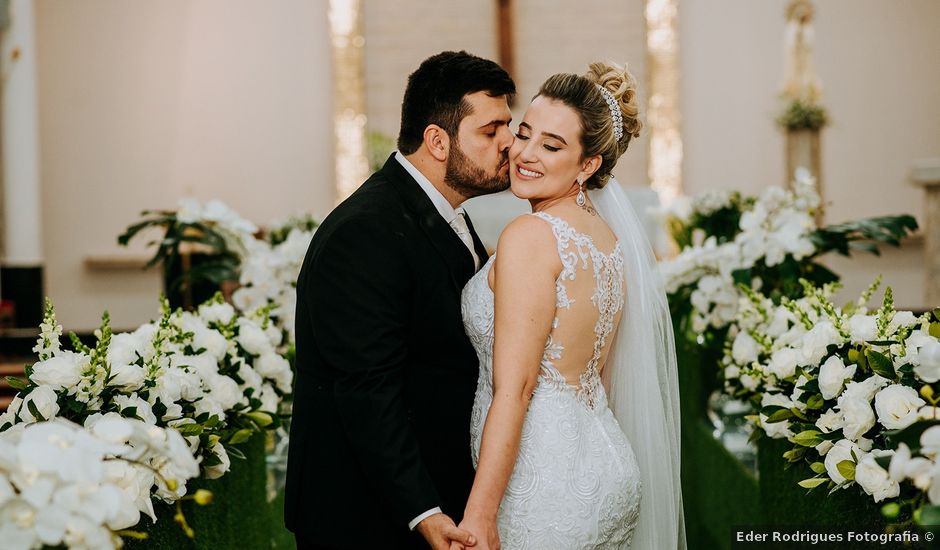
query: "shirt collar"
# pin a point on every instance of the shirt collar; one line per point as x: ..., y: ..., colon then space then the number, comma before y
x: 440, y: 203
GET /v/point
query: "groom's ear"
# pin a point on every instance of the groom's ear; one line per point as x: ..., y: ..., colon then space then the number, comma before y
x: 437, y: 142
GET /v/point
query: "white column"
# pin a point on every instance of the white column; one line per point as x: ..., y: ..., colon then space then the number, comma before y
x: 926, y: 173
x: 22, y: 242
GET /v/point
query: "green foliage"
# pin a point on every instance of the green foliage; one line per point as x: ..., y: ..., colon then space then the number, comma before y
x: 380, y: 146
x: 803, y: 115
x: 863, y: 234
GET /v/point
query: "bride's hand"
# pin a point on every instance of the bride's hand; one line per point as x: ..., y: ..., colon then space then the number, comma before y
x: 484, y: 530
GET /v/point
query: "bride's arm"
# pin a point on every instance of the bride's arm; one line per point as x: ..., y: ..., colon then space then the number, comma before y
x: 526, y: 267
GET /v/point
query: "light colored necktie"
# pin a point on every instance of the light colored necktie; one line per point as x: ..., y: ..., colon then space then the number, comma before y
x: 459, y: 225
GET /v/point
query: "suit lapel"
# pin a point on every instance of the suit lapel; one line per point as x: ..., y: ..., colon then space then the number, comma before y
x: 448, y: 245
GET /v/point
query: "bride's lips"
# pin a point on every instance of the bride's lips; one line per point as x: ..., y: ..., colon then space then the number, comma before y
x: 527, y: 173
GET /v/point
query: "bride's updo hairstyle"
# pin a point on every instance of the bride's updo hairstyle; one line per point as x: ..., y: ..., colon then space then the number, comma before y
x: 598, y: 135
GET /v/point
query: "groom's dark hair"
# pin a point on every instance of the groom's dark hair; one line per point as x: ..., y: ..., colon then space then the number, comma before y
x: 435, y: 94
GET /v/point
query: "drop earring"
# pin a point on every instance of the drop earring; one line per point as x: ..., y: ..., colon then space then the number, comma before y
x: 581, y: 200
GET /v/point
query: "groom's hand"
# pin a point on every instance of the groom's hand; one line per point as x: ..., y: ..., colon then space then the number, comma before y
x: 439, y: 530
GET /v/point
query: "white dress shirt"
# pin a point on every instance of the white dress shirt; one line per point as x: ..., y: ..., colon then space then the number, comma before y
x: 453, y: 218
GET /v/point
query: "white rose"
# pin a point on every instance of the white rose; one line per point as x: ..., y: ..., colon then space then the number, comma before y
x: 732, y: 372
x: 777, y: 430
x: 823, y: 447
x: 863, y: 328
x: 783, y: 362
x: 839, y: 452
x: 252, y: 338
x: 798, y: 392
x: 208, y: 404
x: 62, y: 371
x: 928, y: 362
x: 857, y: 416
x: 226, y: 392
x: 217, y: 313
x: 269, y: 399
x: 873, y: 479
x: 203, y: 364
x: 865, y: 389
x: 897, y: 406
x: 44, y: 399
x: 917, y: 469
x: 124, y: 348
x: 928, y: 413
x: 211, y: 341
x: 749, y: 382
x: 144, y: 411
x: 129, y: 377
x: 902, y: 319
x: 829, y: 421
x: 832, y: 375
x: 250, y: 377
x: 745, y: 349
x: 817, y: 340
x: 930, y: 442
x: 217, y: 471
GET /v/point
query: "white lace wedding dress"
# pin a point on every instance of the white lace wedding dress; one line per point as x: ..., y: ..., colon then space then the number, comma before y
x: 576, y: 483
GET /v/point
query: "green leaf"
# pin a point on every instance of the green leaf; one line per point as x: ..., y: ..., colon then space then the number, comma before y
x: 240, y: 436
x: 812, y: 482
x: 190, y: 429
x: 815, y: 402
x: 847, y: 469
x: 934, y: 330
x: 818, y: 467
x: 779, y: 416
x: 929, y: 516
x: 16, y: 383
x: 34, y: 411
x: 910, y: 435
x: 880, y: 364
x: 808, y: 438
x: 794, y: 455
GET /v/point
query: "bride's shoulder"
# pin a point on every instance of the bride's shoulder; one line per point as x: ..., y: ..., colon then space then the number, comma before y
x: 528, y: 238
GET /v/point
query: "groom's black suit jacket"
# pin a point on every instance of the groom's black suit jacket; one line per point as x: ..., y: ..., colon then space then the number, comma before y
x: 385, y: 373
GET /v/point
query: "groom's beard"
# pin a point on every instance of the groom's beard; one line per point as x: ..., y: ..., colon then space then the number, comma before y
x: 469, y: 179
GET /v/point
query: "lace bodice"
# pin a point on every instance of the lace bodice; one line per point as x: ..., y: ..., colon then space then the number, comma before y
x: 575, y: 483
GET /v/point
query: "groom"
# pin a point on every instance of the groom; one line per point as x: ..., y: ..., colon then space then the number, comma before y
x: 380, y: 437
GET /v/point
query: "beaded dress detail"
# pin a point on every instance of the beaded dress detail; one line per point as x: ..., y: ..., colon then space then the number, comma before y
x: 576, y: 483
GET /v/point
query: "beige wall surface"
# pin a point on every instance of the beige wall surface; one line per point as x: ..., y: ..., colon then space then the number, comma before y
x: 142, y: 103
x: 877, y: 63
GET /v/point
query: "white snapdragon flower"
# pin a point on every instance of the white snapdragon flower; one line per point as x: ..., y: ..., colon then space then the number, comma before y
x: 832, y: 375
x: 841, y: 451
x: 897, y: 406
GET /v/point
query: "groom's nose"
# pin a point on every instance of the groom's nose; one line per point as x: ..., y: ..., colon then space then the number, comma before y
x: 505, y: 138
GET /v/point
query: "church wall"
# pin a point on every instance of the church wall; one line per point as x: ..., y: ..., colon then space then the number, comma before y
x: 142, y: 103
x: 876, y: 61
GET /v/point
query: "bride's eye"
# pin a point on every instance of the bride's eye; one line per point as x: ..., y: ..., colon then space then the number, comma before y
x: 519, y: 135
x: 551, y: 148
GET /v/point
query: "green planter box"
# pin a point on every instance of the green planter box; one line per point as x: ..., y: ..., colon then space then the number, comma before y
x: 240, y: 515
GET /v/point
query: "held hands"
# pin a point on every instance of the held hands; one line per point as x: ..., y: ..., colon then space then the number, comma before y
x: 485, y: 530
x: 441, y: 533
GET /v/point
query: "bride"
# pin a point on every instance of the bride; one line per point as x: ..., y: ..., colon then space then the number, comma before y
x: 575, y: 430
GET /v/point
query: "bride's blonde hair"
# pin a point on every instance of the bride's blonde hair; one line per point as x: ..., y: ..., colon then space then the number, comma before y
x: 581, y: 93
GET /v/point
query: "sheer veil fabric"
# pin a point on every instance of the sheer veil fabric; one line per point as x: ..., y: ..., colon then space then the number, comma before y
x: 641, y: 378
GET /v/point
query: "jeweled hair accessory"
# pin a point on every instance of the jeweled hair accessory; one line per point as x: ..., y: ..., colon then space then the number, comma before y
x: 615, y: 112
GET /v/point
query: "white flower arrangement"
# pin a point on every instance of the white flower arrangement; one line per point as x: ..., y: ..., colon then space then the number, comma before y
x: 83, y: 487
x: 212, y: 375
x: 777, y: 224
x: 850, y: 388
